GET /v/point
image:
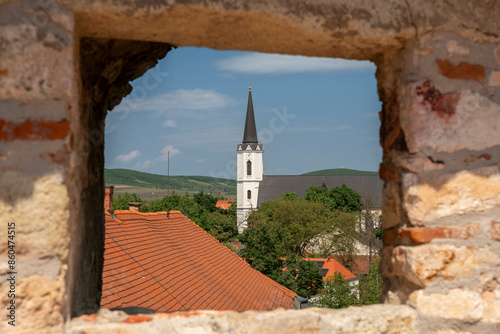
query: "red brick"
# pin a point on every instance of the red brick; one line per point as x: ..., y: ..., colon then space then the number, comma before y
x: 463, y: 71
x: 89, y: 317
x: 390, y: 236
x: 422, y: 235
x: 34, y: 130
x: 186, y: 314
x: 495, y: 231
x: 134, y: 319
x: 388, y: 173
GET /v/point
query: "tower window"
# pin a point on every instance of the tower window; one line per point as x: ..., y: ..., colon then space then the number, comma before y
x: 249, y: 194
x: 249, y: 167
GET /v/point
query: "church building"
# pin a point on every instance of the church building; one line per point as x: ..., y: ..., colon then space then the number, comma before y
x: 250, y: 168
x: 253, y: 188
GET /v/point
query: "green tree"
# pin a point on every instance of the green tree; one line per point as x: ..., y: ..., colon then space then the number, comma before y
x: 319, y: 195
x: 370, y: 286
x: 337, y: 293
x: 165, y: 203
x: 308, y: 278
x: 339, y: 237
x: 338, y: 198
x: 207, y: 201
x: 289, y: 196
x: 345, y: 199
x: 263, y: 252
x: 264, y: 246
x: 223, y: 226
x: 301, y: 221
x: 120, y: 202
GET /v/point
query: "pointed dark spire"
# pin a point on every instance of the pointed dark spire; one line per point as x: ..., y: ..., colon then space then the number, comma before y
x: 250, y: 134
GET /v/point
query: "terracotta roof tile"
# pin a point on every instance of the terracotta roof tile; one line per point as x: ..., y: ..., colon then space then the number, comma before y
x: 359, y: 263
x: 333, y: 266
x: 171, y: 264
x: 224, y: 204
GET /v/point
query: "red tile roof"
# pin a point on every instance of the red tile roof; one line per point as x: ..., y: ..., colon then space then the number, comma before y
x: 359, y: 264
x: 224, y: 204
x: 171, y: 264
x: 333, y: 266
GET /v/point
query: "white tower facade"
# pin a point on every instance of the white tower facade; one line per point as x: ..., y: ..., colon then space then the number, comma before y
x: 250, y: 169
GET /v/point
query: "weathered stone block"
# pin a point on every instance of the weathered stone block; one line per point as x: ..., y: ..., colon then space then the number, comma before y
x: 39, y: 305
x: 456, y: 304
x: 426, y: 200
x: 448, y: 122
x: 36, y: 54
x: 418, y: 164
x: 39, y: 208
x: 423, y: 264
x: 391, y: 205
x: 368, y: 319
x: 495, y: 231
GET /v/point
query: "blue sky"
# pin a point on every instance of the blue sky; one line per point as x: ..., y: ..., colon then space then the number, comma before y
x: 311, y: 113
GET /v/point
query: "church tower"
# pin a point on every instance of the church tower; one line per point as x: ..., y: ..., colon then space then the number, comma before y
x: 250, y: 168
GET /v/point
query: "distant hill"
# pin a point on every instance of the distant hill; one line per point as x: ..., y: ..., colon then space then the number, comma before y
x: 178, y: 183
x: 341, y: 171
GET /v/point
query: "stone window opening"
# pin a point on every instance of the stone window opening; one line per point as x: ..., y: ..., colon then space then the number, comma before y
x: 102, y: 49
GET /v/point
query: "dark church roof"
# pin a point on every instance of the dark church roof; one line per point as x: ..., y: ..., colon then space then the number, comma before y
x: 274, y: 186
x: 250, y: 134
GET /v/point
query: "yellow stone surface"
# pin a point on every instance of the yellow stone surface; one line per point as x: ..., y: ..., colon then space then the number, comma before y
x: 424, y: 264
x: 38, y: 305
x: 457, y: 304
x: 447, y: 195
x: 39, y: 208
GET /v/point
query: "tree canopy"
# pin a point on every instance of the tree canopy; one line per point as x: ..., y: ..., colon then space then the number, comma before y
x: 337, y: 293
x: 340, y: 198
x: 284, y: 230
x: 370, y: 286
x: 200, y: 209
x: 120, y: 202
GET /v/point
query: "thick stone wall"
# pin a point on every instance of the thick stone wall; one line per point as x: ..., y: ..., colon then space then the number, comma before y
x: 376, y: 319
x: 106, y: 67
x: 64, y: 63
x: 441, y: 140
x: 38, y: 103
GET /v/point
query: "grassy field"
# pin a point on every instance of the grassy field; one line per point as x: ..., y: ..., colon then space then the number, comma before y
x: 145, y: 193
x: 142, y: 184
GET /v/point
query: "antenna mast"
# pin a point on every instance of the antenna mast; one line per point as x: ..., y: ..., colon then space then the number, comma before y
x: 168, y: 173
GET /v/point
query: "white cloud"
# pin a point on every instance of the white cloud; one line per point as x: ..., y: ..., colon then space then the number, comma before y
x: 144, y: 164
x: 169, y: 149
x: 188, y: 103
x: 199, y: 161
x: 261, y: 63
x: 128, y: 157
x: 170, y: 123
x: 164, y: 154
